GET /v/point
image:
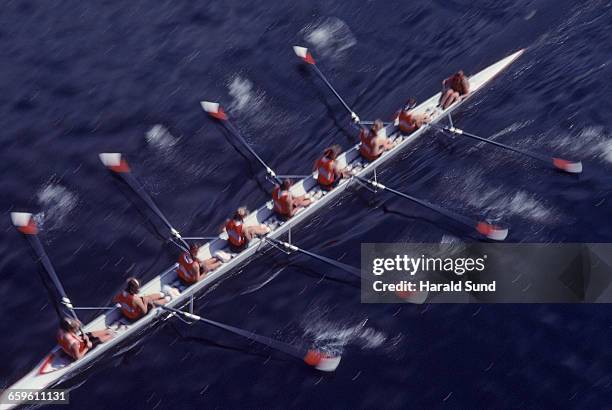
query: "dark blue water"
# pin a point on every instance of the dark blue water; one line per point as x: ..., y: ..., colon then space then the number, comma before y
x: 79, y: 78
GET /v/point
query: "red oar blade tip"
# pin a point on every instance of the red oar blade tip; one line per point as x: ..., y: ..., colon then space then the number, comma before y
x: 491, y: 231
x: 24, y: 222
x: 214, y: 110
x: 304, y: 54
x: 114, y: 161
x: 416, y: 298
x: 321, y: 361
x: 573, y: 167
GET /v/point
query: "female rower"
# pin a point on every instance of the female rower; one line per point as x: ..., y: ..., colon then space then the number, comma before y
x: 239, y: 235
x: 285, y: 203
x: 134, y: 306
x: 409, y: 121
x: 327, y: 167
x: 453, y: 88
x: 373, y: 142
x: 77, y: 345
x: 191, y: 269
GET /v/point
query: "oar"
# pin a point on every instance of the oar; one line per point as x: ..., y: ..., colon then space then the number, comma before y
x: 484, y: 228
x: 214, y: 110
x: 116, y: 163
x: 572, y: 167
x: 314, y: 358
x: 24, y: 222
x: 347, y: 268
x: 305, y: 55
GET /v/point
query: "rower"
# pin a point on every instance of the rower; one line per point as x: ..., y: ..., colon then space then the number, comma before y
x: 453, y: 89
x: 77, y: 345
x: 285, y: 203
x: 240, y: 235
x: 327, y: 167
x: 134, y: 306
x: 373, y: 142
x: 408, y: 121
x: 191, y: 270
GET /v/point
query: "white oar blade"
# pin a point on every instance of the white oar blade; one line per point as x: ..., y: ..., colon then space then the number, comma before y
x: 573, y: 167
x: 491, y: 231
x: 328, y: 364
x: 213, y: 109
x: 24, y: 222
x: 114, y: 161
x: 321, y: 361
x: 304, y: 54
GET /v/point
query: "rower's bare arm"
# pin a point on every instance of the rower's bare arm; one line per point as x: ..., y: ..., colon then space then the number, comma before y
x: 140, y: 305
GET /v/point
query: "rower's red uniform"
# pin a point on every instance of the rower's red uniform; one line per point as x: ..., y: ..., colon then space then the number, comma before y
x: 235, y: 233
x: 368, y: 144
x: 67, y: 339
x: 327, y: 172
x: 407, y: 124
x: 184, y: 269
x: 126, y: 300
x: 281, y: 201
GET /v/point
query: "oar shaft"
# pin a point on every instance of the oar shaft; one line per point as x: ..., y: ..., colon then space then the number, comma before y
x: 137, y: 187
x: 239, y: 136
x: 64, y: 304
x: 347, y: 268
x: 333, y: 90
x: 452, y: 215
x: 283, y: 347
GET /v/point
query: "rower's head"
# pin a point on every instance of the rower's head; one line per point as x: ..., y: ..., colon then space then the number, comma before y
x: 241, y: 213
x: 460, y: 73
x: 286, y: 183
x: 193, y: 249
x: 410, y: 104
x: 132, y: 286
x: 69, y: 325
x: 377, y: 126
x: 332, y: 152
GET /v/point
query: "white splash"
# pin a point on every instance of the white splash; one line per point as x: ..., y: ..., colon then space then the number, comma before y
x: 521, y: 203
x: 244, y: 96
x: 594, y: 141
x: 57, y: 202
x: 329, y: 36
x: 335, y: 337
x: 159, y: 137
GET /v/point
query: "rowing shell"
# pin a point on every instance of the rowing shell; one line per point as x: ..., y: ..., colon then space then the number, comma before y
x: 56, y: 367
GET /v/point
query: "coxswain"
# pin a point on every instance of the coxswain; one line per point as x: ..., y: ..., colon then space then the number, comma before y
x: 453, y: 89
x: 285, y: 203
x: 408, y: 122
x: 191, y: 269
x: 327, y: 168
x: 77, y: 345
x: 239, y: 234
x: 133, y: 306
x: 373, y: 142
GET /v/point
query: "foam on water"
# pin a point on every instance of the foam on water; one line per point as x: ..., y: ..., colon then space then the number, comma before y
x: 160, y: 138
x: 244, y: 96
x: 57, y: 202
x: 329, y: 36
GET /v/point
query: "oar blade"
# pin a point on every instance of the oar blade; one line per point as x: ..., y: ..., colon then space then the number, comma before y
x: 416, y: 297
x: 214, y: 110
x: 304, y: 54
x: 115, y: 162
x: 24, y: 223
x: 322, y: 361
x: 572, y: 167
x: 494, y: 232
